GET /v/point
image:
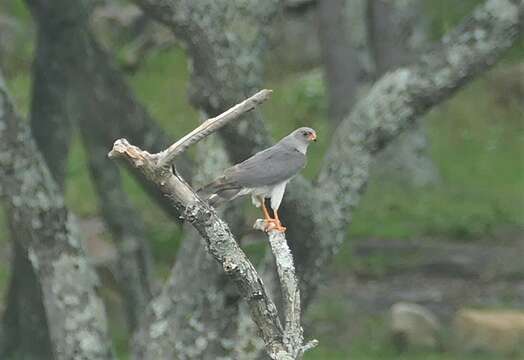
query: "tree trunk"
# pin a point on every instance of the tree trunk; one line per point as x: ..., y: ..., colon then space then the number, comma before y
x: 25, y: 317
x: 398, y: 33
x: 44, y: 228
x: 361, y: 40
x: 343, y: 73
x: 25, y: 330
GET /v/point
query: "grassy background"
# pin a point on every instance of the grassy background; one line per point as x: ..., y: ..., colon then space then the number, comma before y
x: 477, y: 143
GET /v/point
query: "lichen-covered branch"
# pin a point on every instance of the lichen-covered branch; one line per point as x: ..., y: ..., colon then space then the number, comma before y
x: 75, y: 314
x: 293, y: 337
x: 223, y: 247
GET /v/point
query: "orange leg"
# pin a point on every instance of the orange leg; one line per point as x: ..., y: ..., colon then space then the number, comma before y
x: 267, y: 218
x: 264, y: 210
x: 279, y: 224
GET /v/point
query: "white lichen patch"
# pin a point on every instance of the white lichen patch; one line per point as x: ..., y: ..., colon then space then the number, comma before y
x: 90, y: 343
x: 72, y: 276
x: 160, y: 306
x: 33, y: 258
x: 36, y: 223
x: 505, y: 10
x: 158, y: 328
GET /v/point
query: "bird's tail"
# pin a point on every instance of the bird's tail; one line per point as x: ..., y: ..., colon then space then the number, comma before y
x: 208, y: 193
x: 217, y: 193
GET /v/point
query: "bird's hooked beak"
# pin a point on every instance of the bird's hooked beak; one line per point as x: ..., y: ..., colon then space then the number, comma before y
x: 312, y: 137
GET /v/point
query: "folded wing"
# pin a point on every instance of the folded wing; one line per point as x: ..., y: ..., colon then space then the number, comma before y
x: 269, y: 167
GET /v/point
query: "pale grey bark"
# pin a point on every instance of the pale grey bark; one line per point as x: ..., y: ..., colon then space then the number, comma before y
x: 281, y: 342
x: 397, y: 34
x: 75, y: 314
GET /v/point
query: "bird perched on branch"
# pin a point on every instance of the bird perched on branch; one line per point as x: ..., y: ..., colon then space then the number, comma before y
x: 264, y: 175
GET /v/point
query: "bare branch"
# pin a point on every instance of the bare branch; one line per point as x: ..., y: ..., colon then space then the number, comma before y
x: 293, y: 334
x: 211, y: 125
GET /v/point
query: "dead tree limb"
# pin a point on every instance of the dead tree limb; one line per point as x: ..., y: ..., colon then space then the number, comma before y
x: 281, y: 342
x: 75, y: 314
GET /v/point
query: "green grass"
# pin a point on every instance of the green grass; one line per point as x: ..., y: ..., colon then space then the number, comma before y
x: 478, y: 146
x: 161, y: 83
x: 366, y: 351
x: 345, y: 333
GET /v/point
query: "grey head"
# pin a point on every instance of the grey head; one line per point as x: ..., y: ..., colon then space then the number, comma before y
x: 300, y: 139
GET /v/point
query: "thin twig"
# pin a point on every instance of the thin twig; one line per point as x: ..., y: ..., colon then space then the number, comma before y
x: 209, y: 126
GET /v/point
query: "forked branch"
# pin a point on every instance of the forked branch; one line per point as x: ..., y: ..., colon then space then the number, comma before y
x: 282, y: 342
